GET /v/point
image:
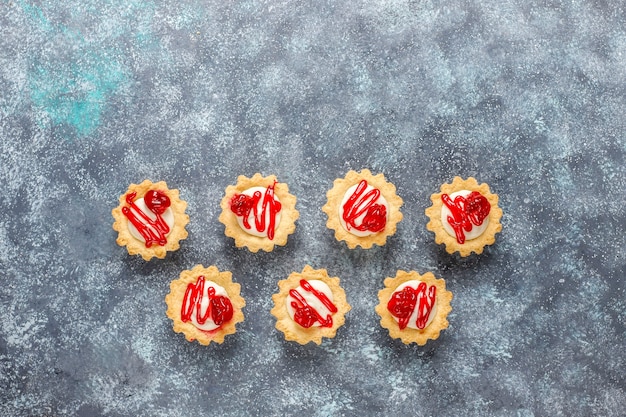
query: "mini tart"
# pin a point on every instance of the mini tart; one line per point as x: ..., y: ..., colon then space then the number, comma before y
x: 174, y: 214
x: 436, y: 319
x: 178, y: 307
x: 337, y: 199
x: 285, y: 217
x: 288, y: 325
x: 490, y: 223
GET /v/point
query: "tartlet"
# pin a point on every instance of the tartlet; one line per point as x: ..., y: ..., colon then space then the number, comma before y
x: 363, y: 209
x: 414, y: 307
x: 150, y: 219
x: 309, y: 305
x: 205, y: 304
x: 258, y: 212
x: 464, y: 216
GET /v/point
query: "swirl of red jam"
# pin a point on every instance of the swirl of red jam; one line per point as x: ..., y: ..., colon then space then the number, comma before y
x: 219, y: 308
x: 243, y: 205
x: 362, y: 202
x: 467, y: 212
x: 404, y: 302
x: 305, y: 314
x: 152, y: 231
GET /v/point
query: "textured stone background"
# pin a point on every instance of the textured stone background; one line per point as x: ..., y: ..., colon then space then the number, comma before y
x: 528, y: 96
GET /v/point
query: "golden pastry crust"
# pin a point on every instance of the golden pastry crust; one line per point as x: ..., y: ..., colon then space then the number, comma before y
x: 488, y: 237
x: 288, y: 214
x: 292, y: 330
x: 409, y: 335
x: 177, y: 231
x: 335, y: 196
x: 174, y: 301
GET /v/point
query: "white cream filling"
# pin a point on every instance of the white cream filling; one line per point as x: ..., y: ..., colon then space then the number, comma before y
x: 445, y: 212
x: 359, y: 220
x: 413, y: 319
x: 209, y: 324
x: 168, y: 217
x: 311, y: 299
x: 251, y: 220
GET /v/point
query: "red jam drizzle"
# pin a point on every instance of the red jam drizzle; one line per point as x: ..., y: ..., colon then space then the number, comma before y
x: 402, y: 304
x: 375, y: 214
x: 242, y: 205
x: 466, y: 212
x: 304, y: 314
x: 219, y: 309
x: 152, y: 231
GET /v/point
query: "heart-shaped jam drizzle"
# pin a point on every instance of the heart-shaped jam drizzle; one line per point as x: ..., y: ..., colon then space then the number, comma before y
x: 152, y: 231
x: 403, y: 303
x: 477, y: 207
x: 241, y: 204
x: 305, y: 316
x: 467, y: 212
x: 157, y: 201
x: 221, y: 309
x: 375, y: 219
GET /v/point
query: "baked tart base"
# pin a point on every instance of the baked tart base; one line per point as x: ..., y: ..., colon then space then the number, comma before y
x: 333, y: 207
x: 177, y: 294
x: 288, y: 214
x: 436, y: 323
x: 451, y: 242
x: 166, y: 199
x: 296, y: 332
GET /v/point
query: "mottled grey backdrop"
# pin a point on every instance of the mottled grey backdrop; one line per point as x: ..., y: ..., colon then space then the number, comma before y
x: 528, y: 96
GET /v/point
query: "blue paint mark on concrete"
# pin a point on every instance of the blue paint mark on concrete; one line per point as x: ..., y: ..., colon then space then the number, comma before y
x: 75, y: 94
x: 37, y: 16
x: 72, y: 90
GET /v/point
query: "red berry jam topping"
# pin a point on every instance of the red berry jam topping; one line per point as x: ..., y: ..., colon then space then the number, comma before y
x: 466, y: 212
x: 413, y: 302
x: 151, y: 230
x: 217, y: 308
x: 363, y: 204
x: 304, y: 313
x: 262, y: 207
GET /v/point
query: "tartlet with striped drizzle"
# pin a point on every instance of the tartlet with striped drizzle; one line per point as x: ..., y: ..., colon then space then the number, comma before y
x: 465, y: 216
x: 259, y: 213
x: 309, y: 306
x: 363, y: 209
x: 205, y: 304
x: 150, y: 219
x: 413, y: 307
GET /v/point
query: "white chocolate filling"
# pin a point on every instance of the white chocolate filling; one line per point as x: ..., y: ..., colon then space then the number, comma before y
x: 359, y: 220
x: 311, y: 299
x: 413, y: 319
x: 259, y: 209
x: 445, y: 212
x: 209, y: 324
x: 168, y: 217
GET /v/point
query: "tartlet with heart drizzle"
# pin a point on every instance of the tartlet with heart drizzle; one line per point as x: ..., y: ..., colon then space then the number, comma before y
x: 205, y: 304
x: 310, y: 305
x: 464, y: 216
x: 150, y: 219
x: 413, y: 307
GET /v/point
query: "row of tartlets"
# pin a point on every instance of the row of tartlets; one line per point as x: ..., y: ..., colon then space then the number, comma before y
x: 260, y: 213
x: 205, y: 305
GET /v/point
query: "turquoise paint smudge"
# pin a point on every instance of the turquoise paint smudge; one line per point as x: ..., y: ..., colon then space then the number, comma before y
x: 72, y: 90
x: 75, y: 94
